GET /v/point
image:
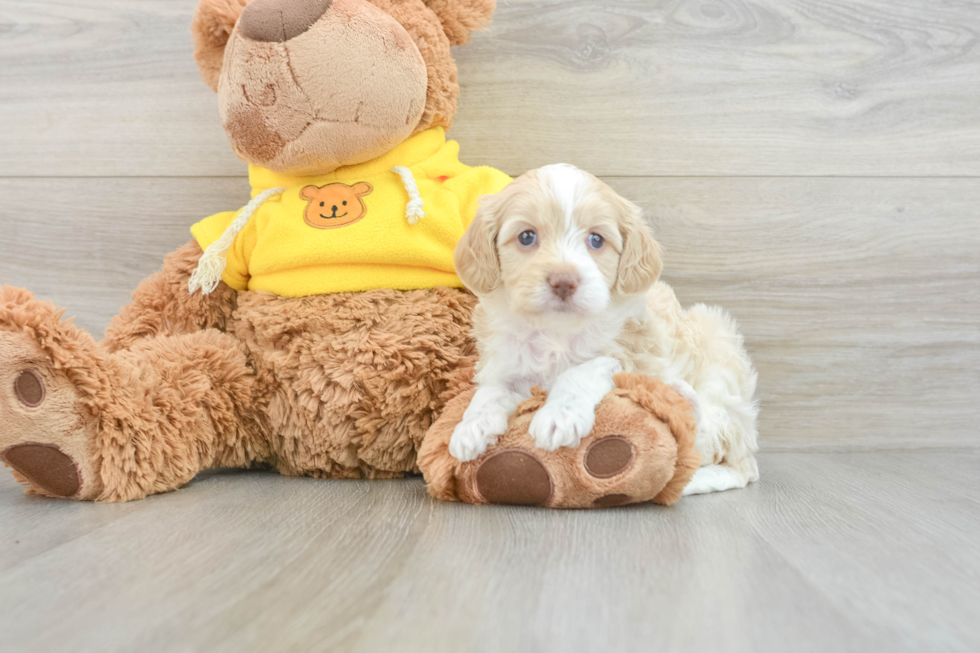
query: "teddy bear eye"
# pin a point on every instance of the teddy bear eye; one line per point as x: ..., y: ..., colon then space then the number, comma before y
x: 527, y: 238
x: 321, y: 203
x: 345, y: 202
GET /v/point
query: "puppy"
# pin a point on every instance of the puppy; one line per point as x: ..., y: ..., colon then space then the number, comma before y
x: 566, y: 272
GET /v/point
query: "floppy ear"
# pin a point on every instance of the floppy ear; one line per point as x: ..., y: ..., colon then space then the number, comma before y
x: 639, y: 261
x: 212, y: 25
x: 308, y: 192
x: 475, y: 257
x: 461, y: 17
x: 362, y: 188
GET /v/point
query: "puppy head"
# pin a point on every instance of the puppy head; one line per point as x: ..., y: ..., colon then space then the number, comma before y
x: 558, y: 240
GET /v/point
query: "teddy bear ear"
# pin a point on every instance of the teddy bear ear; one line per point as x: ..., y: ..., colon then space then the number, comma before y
x: 212, y: 25
x: 461, y: 17
x: 362, y: 188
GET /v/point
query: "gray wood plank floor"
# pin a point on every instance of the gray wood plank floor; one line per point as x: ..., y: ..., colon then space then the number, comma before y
x: 861, y: 551
x: 813, y: 166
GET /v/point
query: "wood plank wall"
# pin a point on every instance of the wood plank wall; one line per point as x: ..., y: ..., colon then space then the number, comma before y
x: 812, y: 165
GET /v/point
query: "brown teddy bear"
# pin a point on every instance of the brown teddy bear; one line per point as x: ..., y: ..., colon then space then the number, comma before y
x: 321, y: 329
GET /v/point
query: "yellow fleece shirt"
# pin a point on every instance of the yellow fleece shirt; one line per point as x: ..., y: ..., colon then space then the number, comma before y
x: 348, y: 231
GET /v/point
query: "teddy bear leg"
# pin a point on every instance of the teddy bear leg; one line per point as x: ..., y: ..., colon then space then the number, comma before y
x: 641, y: 449
x: 78, y: 423
x: 163, y: 305
x: 178, y: 405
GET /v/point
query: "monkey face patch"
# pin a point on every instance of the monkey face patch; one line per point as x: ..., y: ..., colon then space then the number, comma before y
x: 335, y: 205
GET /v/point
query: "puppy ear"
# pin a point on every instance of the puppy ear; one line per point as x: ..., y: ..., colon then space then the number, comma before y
x: 213, y: 23
x: 308, y: 192
x: 639, y: 261
x: 476, y: 260
x: 461, y: 17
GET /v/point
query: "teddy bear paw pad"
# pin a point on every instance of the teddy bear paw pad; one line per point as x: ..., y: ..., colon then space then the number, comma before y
x: 514, y: 477
x: 44, y: 465
x: 29, y: 388
x: 608, y: 456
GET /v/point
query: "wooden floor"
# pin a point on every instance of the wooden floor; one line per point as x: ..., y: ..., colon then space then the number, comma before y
x: 829, y: 552
x: 814, y: 166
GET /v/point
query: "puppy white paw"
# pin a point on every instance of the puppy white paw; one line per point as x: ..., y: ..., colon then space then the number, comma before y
x: 475, y: 433
x: 714, y: 478
x: 561, y: 424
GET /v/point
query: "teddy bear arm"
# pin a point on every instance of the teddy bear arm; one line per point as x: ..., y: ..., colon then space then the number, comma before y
x: 163, y: 305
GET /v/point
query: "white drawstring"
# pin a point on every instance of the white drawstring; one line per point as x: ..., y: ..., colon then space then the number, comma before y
x: 215, y: 258
x: 413, y: 211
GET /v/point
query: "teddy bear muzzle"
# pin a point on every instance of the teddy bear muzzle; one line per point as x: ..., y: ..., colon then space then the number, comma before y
x: 302, y: 92
x: 277, y: 21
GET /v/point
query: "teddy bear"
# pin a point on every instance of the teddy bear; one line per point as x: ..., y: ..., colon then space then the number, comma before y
x: 320, y: 330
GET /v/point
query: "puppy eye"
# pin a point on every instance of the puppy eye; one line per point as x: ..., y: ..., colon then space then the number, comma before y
x: 527, y: 238
x: 596, y: 241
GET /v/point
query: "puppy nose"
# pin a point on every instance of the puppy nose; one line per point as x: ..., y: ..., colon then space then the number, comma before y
x: 276, y: 21
x: 563, y: 284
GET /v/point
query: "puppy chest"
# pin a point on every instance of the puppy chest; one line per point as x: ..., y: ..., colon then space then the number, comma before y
x: 540, y: 359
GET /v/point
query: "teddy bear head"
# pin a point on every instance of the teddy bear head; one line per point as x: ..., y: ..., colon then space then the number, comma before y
x: 307, y: 86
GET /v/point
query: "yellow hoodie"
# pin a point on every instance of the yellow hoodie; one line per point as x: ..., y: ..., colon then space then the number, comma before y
x: 391, y: 222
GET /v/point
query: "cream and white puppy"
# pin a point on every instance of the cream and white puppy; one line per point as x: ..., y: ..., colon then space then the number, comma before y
x: 566, y: 272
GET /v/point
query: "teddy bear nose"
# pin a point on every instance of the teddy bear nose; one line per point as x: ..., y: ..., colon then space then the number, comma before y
x: 276, y: 21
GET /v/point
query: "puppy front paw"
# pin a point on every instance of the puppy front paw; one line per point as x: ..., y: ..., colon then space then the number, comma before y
x: 474, y: 434
x: 561, y: 424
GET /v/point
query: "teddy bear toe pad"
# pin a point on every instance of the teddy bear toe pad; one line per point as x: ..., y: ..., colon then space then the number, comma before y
x: 513, y: 476
x: 608, y: 457
x: 29, y: 388
x: 44, y: 465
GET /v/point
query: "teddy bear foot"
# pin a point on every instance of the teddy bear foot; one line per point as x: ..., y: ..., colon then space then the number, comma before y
x: 47, y: 433
x: 641, y: 449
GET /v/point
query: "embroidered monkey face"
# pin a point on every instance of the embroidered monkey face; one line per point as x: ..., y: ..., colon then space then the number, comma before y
x: 335, y: 205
